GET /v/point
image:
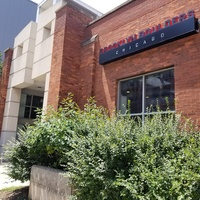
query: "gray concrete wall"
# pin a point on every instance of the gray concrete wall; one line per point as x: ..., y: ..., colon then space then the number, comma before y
x: 48, y: 184
x: 14, y: 16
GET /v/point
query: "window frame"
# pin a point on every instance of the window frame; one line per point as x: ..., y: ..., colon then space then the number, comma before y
x: 143, y: 113
x: 30, y: 107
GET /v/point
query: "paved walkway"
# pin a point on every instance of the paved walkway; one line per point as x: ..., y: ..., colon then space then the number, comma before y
x: 6, y: 181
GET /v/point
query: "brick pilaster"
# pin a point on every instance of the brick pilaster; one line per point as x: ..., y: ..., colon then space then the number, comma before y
x: 4, y: 78
x: 66, y: 58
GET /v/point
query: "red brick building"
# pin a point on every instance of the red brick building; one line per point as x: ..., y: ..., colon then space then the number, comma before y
x: 143, y: 53
x: 82, y: 74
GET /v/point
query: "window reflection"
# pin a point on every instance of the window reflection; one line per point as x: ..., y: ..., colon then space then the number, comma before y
x: 159, y: 91
x: 137, y: 95
x: 131, y: 96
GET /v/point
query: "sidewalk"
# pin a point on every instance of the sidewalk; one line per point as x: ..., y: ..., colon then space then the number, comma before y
x: 6, y: 181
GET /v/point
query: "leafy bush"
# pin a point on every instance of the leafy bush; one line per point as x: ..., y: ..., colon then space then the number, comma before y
x: 113, y: 158
x: 129, y: 160
x: 45, y: 142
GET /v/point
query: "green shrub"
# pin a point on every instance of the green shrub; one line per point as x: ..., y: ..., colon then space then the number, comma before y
x: 113, y: 158
x: 46, y: 141
x: 131, y: 160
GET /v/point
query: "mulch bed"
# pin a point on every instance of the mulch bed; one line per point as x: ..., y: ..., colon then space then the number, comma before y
x: 19, y: 194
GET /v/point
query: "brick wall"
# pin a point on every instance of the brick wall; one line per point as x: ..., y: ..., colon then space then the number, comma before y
x: 87, y: 71
x: 183, y: 54
x: 68, y: 38
x: 75, y: 67
x: 4, y: 82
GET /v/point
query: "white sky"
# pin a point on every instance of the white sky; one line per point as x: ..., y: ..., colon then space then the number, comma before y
x: 100, y: 5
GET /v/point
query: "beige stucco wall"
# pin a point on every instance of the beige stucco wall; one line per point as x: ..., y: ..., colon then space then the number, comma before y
x: 44, y: 40
x: 10, y: 118
x: 30, y: 68
x: 24, y: 47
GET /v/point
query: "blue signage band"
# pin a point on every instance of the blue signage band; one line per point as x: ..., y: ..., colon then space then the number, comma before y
x: 163, y: 36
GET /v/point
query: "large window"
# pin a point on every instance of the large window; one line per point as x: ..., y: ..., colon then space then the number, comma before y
x: 144, y: 94
x: 29, y: 105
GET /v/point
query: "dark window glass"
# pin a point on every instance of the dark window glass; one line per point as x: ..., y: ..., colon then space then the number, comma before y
x: 28, y: 100
x: 159, y: 91
x: 32, y: 103
x: 33, y: 113
x: 131, y: 96
x: 37, y: 101
x: 26, y: 112
x: 147, y: 93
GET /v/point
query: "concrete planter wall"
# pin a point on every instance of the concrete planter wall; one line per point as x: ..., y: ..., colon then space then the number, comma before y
x: 48, y: 184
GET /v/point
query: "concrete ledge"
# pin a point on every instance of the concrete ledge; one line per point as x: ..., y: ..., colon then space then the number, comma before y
x: 48, y: 184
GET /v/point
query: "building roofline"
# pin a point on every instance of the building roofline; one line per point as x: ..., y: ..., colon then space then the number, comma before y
x: 111, y: 11
x: 33, y: 2
x: 91, y: 9
x: 83, y: 8
x: 39, y: 4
